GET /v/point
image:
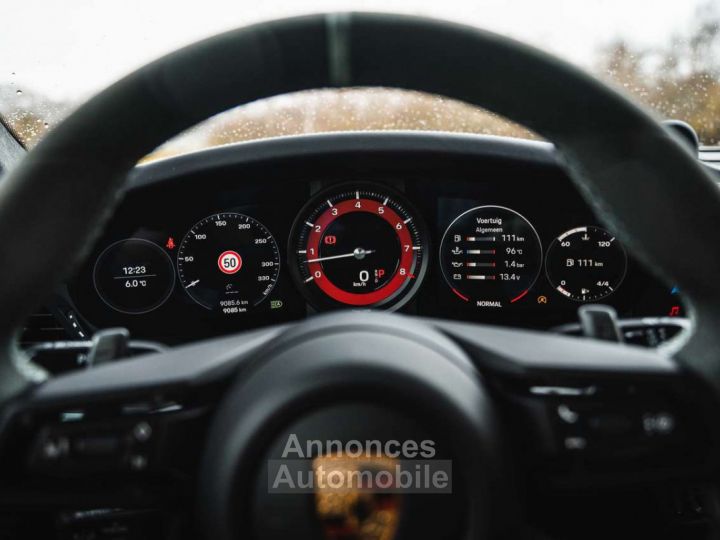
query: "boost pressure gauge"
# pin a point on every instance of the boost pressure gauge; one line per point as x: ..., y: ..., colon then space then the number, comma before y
x: 358, y: 247
x: 586, y: 264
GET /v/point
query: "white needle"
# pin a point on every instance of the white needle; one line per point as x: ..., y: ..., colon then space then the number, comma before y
x: 192, y: 283
x: 358, y: 253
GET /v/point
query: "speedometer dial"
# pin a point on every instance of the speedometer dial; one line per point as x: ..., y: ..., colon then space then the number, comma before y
x: 359, y: 248
x: 586, y: 264
x: 228, y: 262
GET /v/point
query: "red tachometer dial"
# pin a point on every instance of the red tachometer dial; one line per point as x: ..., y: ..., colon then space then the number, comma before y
x: 358, y: 248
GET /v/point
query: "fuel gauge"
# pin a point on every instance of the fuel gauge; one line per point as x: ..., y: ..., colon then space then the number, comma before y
x: 586, y: 264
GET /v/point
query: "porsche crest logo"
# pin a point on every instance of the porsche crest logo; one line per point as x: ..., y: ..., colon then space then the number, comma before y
x: 349, y: 510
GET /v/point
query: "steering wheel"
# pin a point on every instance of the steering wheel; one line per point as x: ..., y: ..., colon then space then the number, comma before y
x: 360, y: 375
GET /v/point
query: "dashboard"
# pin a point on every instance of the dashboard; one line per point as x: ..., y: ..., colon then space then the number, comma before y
x: 462, y: 227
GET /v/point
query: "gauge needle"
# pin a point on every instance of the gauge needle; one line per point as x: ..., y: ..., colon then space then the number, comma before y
x: 192, y: 283
x: 358, y: 253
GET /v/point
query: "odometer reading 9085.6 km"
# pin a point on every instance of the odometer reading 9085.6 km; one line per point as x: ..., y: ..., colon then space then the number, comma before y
x: 490, y: 256
x: 228, y: 262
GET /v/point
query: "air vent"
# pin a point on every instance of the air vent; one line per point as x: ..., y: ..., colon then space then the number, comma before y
x: 40, y: 327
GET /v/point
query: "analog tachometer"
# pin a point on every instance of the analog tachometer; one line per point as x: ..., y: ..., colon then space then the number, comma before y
x: 358, y: 247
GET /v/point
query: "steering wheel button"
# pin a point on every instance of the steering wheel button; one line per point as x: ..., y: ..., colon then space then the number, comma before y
x: 575, y: 443
x: 142, y: 432
x: 55, y: 448
x: 96, y: 446
x: 567, y: 415
x: 138, y: 462
x: 661, y: 423
x: 611, y: 423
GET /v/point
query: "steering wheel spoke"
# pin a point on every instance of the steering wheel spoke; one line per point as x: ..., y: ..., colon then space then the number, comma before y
x: 589, y: 413
x: 125, y: 434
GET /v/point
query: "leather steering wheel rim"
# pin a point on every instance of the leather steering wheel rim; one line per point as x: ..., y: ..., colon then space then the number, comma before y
x: 649, y: 189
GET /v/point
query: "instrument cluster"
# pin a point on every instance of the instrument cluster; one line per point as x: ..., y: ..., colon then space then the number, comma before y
x: 205, y: 256
x: 359, y: 246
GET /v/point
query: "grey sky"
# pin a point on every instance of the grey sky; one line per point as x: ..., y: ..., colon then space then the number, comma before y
x: 69, y: 49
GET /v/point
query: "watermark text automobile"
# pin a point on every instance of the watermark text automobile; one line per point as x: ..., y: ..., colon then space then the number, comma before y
x: 390, y: 466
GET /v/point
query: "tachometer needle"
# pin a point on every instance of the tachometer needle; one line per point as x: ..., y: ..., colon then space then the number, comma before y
x: 192, y: 283
x: 358, y: 253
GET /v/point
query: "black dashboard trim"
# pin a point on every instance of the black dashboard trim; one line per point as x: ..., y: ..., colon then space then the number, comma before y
x: 328, y: 144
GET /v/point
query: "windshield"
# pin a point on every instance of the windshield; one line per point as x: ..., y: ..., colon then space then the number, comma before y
x: 55, y: 55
